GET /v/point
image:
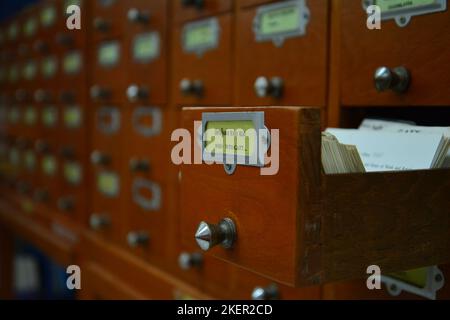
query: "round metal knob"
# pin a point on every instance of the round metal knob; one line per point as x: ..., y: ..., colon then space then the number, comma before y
x: 98, y: 93
x: 41, y: 146
x: 41, y: 195
x: 23, y: 187
x: 67, y: 152
x: 139, y: 165
x: 42, y: 96
x: 188, y: 261
x: 135, y: 93
x: 136, y: 16
x: 99, y: 158
x: 67, y: 97
x: 99, y: 221
x: 66, y: 204
x: 188, y: 87
x: 269, y: 88
x: 21, y: 95
x: 137, y: 238
x: 210, y: 235
x: 271, y: 292
x: 64, y: 39
x: 199, y: 4
x: 40, y: 46
x: 397, y: 79
x: 101, y: 24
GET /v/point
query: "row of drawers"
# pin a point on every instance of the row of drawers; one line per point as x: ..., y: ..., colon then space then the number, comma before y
x: 263, y: 69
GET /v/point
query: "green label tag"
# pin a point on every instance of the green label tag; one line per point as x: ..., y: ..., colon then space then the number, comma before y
x: 30, y: 160
x: 13, y: 74
x: 108, y: 184
x: 49, y: 67
x: 392, y: 5
x: 280, y: 20
x: 109, y: 54
x: 49, y: 165
x: 72, y: 117
x: 200, y: 36
x: 29, y: 71
x: 146, y: 46
x: 416, y: 277
x: 72, y: 63
x: 48, y: 16
x: 49, y: 117
x: 230, y: 137
x: 13, y: 31
x: 30, y: 116
x: 73, y: 173
x: 14, y: 115
x: 30, y: 27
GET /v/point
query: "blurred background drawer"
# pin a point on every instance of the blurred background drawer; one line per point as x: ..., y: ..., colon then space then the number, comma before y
x: 146, y: 45
x: 282, y: 54
x: 108, y: 19
x: 109, y: 66
x: 421, y: 47
x: 202, y: 64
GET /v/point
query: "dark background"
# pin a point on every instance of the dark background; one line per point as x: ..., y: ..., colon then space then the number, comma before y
x: 9, y: 8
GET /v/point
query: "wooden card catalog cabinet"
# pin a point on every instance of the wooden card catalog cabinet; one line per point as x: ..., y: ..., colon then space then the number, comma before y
x: 297, y: 225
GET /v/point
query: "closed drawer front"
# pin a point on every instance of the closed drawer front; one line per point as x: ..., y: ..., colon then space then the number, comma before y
x: 108, y: 81
x: 195, y: 55
x: 146, y: 43
x: 279, y: 62
x: 108, y: 19
x: 252, y: 201
x: 421, y: 47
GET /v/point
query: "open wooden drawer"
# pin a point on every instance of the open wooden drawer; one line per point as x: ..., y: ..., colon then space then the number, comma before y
x: 299, y: 226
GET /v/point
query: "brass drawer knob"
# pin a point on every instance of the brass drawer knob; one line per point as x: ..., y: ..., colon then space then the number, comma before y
x: 21, y: 95
x: 137, y: 16
x: 41, y: 46
x: 198, y: 4
x: 67, y: 96
x: 41, y: 195
x: 41, y: 146
x: 137, y: 238
x: 136, y: 93
x: 142, y: 165
x: 210, y: 235
x: 269, y: 87
x: 67, y: 152
x: 99, y: 158
x: 101, y: 24
x: 42, y: 96
x: 64, y: 39
x: 99, y: 93
x: 270, y: 292
x: 99, y: 221
x: 397, y: 79
x: 192, y: 87
x: 188, y: 261
x: 66, y: 204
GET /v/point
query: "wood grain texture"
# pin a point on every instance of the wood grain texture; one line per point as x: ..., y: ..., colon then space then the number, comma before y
x: 421, y: 47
